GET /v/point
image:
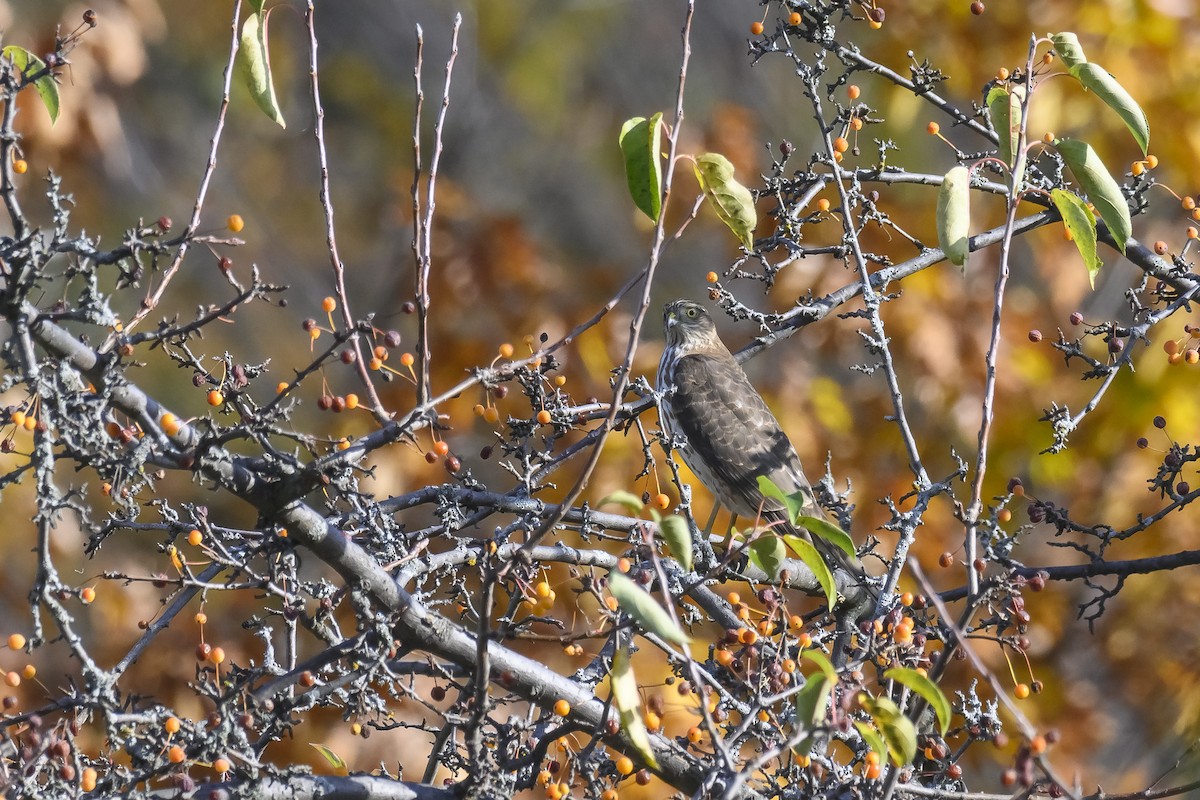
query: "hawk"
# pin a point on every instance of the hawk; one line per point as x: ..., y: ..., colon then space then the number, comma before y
x: 725, y: 432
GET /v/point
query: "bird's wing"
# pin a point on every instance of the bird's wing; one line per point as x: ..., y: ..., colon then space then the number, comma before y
x: 728, y: 425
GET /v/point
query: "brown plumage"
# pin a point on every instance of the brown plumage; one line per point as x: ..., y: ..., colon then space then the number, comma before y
x: 728, y: 435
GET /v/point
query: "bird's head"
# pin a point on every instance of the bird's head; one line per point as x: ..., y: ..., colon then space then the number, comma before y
x: 688, y: 325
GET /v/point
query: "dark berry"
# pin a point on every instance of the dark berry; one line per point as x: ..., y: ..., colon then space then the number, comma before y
x: 977, y: 9
x: 1035, y: 336
x: 1160, y: 422
x: 392, y: 339
x: 1076, y: 318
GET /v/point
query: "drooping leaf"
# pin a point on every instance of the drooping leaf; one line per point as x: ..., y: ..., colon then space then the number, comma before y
x: 1096, y: 79
x: 733, y: 202
x: 897, y: 729
x: 823, y: 663
x: 333, y: 758
x: 645, y: 609
x: 872, y: 737
x: 255, y: 59
x: 678, y: 536
x: 632, y: 503
x: 641, y: 145
x: 954, y: 215
x: 767, y: 553
x: 628, y: 703
x: 1081, y: 223
x: 1004, y: 109
x: 927, y: 689
x: 810, y: 556
x: 1067, y: 45
x: 812, y: 703
x: 257, y: 5
x: 30, y: 65
x: 830, y: 533
x: 1102, y: 190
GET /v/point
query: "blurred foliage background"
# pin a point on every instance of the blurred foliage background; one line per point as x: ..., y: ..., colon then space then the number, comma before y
x: 535, y: 230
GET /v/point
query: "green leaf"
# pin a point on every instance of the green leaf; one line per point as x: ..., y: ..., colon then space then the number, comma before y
x: 954, y: 215
x: 255, y: 60
x: 1081, y: 223
x: 830, y: 533
x: 333, y: 758
x: 767, y: 553
x: 641, y: 145
x: 733, y: 202
x: 812, y: 703
x: 632, y: 503
x: 810, y: 556
x: 28, y: 64
x: 1004, y: 109
x: 1067, y: 45
x: 645, y: 609
x: 794, y: 503
x: 927, y: 689
x: 871, y: 736
x: 678, y: 536
x: 897, y: 729
x: 1096, y: 79
x: 257, y: 5
x: 628, y: 703
x: 1104, y: 193
x: 823, y: 663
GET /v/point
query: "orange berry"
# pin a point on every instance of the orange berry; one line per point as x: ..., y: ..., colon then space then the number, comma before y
x: 343, y: 443
x: 88, y: 779
x: 611, y: 603
x: 170, y: 424
x: 906, y: 599
x: 840, y: 144
x: 87, y: 595
x: 215, y: 398
x: 734, y: 598
x: 873, y: 772
x: 1002, y: 74
x: 712, y: 277
x: 171, y: 725
x: 491, y: 414
x: 176, y: 755
x: 16, y: 641
x: 624, y: 765
x: 694, y: 734
x: 13, y: 679
x: 1021, y: 691
x: 1161, y: 247
x: 221, y: 766
x: 407, y: 359
x: 856, y: 123
x: 747, y: 636
x: 542, y: 589
x: 1191, y: 356
x: 756, y: 28
x: 216, y: 655
x: 328, y: 305
x: 1188, y: 203
x: 1192, y: 233
x: 380, y: 352
x: 933, y: 128
x: 1137, y: 168
x: 822, y: 205
x: 1196, y: 214
x: 794, y: 18
x: 20, y: 166
x: 506, y: 350
x: 195, y: 537
x: 804, y: 640
x: 351, y: 401
x: 875, y: 24
x: 200, y: 618
x: 662, y: 501
x: 375, y: 364
x: 795, y: 621
x: 560, y: 380
x: 281, y: 387
x: 609, y: 794
x: 543, y: 417
x: 652, y: 720
x: 562, y: 708
x: 1003, y: 515
x: 441, y: 448
x: 852, y: 91
x: 18, y: 418
x: 624, y: 564
x: 1152, y: 161
x: 1048, y: 137
x: 235, y: 223
x: 723, y: 657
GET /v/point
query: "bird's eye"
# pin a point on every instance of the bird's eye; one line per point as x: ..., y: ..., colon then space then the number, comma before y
x: 691, y: 312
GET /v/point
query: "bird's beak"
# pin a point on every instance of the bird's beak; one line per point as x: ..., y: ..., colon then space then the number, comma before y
x: 671, y: 320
